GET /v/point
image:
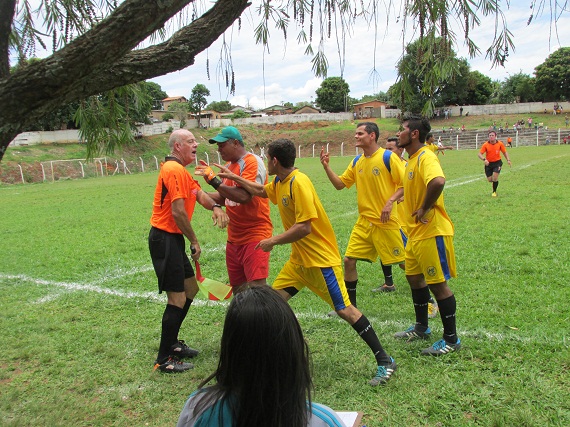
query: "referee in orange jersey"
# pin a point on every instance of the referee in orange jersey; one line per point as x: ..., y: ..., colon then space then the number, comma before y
x: 490, y: 154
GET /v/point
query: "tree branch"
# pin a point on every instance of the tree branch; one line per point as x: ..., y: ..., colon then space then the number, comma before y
x: 102, y: 59
x: 7, y: 11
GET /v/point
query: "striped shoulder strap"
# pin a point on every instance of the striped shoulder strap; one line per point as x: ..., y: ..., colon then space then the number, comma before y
x: 386, y: 158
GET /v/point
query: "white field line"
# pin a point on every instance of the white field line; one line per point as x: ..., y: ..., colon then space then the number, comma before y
x: 67, y: 287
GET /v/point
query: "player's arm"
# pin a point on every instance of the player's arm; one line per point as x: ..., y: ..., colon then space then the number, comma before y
x: 183, y: 222
x: 219, y: 217
x: 296, y: 232
x: 236, y: 194
x: 433, y: 191
x: 253, y: 188
x: 333, y: 177
x: 506, y: 155
x: 482, y: 156
x: 387, y: 209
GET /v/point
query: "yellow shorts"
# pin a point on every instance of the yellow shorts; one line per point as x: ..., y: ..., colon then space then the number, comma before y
x: 326, y: 282
x: 433, y: 257
x: 369, y: 242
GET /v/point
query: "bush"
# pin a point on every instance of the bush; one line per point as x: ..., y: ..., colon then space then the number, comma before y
x: 167, y: 116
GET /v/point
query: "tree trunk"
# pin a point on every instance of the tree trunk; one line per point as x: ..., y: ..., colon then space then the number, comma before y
x: 103, y: 59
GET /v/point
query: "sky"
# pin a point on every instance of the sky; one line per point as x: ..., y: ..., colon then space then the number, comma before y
x: 284, y: 74
x: 288, y: 77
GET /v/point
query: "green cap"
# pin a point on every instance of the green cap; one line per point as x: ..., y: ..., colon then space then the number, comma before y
x: 229, y: 132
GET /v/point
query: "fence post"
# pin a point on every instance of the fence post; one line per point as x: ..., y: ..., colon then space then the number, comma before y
x: 101, y: 166
x: 43, y: 171
x: 299, y: 156
x: 219, y: 158
x: 342, y: 149
x: 476, y: 140
x: 457, y: 142
x: 313, y: 150
x: 156, y: 162
x: 82, y: 170
x: 142, y: 164
x: 21, y: 173
x: 52, y: 177
x: 537, y: 138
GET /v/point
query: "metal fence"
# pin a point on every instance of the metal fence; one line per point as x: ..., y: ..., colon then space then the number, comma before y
x: 59, y: 170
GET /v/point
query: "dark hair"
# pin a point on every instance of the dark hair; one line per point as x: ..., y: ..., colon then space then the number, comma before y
x: 284, y: 151
x: 428, y: 136
x: 420, y: 124
x: 392, y: 139
x: 264, y: 370
x: 370, y: 127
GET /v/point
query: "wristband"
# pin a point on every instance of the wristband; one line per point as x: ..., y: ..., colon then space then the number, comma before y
x: 216, y: 206
x: 211, y: 177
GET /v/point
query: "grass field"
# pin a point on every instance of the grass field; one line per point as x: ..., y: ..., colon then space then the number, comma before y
x: 81, y: 316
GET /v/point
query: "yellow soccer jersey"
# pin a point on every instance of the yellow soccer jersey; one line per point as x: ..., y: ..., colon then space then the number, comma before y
x: 422, y: 167
x: 375, y: 184
x: 432, y: 147
x: 298, y: 202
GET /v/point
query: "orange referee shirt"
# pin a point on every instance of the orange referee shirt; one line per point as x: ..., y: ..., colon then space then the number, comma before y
x: 493, y: 151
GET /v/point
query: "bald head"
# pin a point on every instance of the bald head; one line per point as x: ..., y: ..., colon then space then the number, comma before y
x: 179, y: 135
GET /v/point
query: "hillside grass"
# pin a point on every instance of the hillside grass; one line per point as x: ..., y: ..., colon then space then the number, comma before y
x: 305, y: 133
x: 81, y: 315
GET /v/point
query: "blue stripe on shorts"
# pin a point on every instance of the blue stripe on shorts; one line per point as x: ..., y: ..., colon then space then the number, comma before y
x: 333, y: 288
x: 442, y: 256
x: 404, y: 237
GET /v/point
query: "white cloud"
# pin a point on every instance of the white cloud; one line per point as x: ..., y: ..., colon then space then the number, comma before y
x: 288, y: 76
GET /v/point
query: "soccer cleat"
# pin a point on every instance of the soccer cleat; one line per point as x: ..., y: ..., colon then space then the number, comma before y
x: 441, y: 347
x: 413, y: 334
x: 385, y: 288
x: 433, y: 309
x: 383, y: 373
x: 494, y: 194
x: 172, y: 364
x: 181, y: 350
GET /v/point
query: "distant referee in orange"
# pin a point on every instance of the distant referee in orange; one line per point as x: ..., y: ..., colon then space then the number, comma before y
x: 490, y: 154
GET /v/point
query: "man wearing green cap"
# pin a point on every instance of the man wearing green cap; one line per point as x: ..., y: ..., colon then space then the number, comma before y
x: 249, y: 216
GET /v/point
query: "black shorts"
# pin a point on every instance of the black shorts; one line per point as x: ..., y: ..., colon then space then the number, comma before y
x: 171, y: 264
x: 494, y: 167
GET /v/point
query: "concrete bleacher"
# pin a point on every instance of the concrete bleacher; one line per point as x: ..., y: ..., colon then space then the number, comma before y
x: 472, y: 139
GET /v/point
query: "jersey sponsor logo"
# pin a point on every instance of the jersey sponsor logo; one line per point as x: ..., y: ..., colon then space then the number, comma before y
x: 375, y: 171
x: 396, y: 251
x: 431, y: 271
x: 285, y: 201
x: 411, y: 175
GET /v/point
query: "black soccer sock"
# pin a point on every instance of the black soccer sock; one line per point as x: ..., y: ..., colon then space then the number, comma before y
x: 447, y: 308
x: 185, y: 311
x: 351, y: 290
x: 495, y: 185
x: 387, y: 270
x: 420, y: 297
x: 170, y: 327
x: 367, y: 333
